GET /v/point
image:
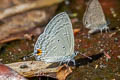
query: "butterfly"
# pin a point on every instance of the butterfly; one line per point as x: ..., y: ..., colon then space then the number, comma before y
x: 56, y: 43
x: 94, y: 18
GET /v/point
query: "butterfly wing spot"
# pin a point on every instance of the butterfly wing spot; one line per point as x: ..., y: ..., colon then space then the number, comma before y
x: 63, y: 47
x: 39, y: 51
x: 58, y: 40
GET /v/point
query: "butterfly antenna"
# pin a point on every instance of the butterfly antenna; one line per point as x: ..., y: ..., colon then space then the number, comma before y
x: 85, y: 56
x: 27, y: 56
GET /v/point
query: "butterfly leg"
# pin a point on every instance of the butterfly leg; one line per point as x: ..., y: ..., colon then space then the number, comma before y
x: 73, y: 62
x: 107, y: 29
x: 101, y: 30
x: 60, y: 63
x: 68, y: 62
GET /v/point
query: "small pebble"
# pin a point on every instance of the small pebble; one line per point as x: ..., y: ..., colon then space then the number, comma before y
x: 116, y: 40
x: 96, y: 66
x: 67, y: 2
x: 74, y: 15
x: 1, y: 60
x: 102, y: 66
x: 19, y: 50
x: 10, y: 53
x: 118, y: 57
x: 113, y: 12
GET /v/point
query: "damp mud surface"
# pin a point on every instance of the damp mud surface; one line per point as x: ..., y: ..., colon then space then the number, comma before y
x: 103, y: 48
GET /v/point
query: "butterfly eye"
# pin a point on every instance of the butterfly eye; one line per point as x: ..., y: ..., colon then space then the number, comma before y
x: 39, y: 51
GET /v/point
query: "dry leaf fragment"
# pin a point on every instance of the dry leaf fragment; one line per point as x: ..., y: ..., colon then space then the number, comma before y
x: 27, y: 6
x: 63, y: 72
x: 39, y: 68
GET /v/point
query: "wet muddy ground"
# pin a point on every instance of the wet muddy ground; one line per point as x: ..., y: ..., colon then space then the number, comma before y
x: 104, y: 49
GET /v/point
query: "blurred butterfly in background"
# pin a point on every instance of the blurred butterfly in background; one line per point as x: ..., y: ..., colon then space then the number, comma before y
x: 56, y: 43
x: 94, y: 18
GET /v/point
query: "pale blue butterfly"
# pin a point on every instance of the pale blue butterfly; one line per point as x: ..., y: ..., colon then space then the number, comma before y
x: 56, y: 43
x: 94, y: 18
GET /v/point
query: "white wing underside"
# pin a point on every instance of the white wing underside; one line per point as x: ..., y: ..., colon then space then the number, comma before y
x: 57, y: 40
x: 94, y: 18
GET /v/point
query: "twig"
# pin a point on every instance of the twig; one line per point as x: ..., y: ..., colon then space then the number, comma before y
x: 27, y: 6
